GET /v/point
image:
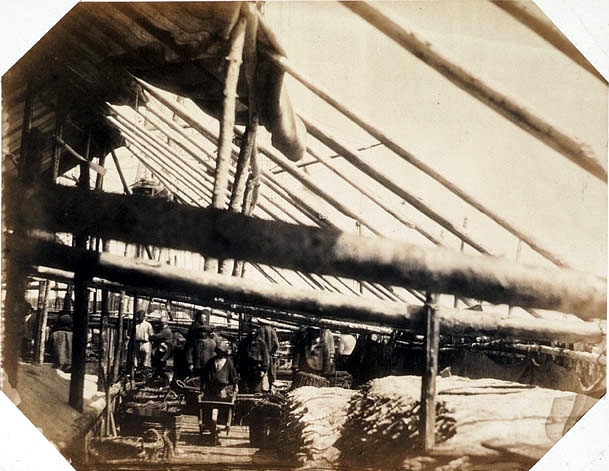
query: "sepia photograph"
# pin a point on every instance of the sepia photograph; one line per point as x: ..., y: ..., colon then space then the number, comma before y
x: 304, y: 235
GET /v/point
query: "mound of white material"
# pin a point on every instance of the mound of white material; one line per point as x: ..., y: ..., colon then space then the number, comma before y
x: 312, y: 422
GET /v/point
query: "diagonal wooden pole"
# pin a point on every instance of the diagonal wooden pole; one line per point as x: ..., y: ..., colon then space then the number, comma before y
x: 227, y: 123
x: 505, y: 105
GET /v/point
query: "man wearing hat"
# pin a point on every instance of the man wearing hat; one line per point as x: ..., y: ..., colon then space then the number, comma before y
x: 143, y: 348
x: 219, y: 377
x: 200, y: 348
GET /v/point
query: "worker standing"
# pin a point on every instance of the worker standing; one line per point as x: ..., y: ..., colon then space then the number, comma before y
x: 252, y: 360
x: 161, y: 346
x: 269, y: 335
x: 200, y: 348
x: 143, y: 347
x: 219, y: 377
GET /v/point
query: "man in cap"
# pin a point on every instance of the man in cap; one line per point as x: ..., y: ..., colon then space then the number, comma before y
x: 219, y: 377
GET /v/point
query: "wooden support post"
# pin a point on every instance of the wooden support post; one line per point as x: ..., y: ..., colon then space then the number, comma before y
x: 15, y: 270
x: 428, y: 383
x: 117, y: 165
x: 79, y: 338
x: 14, y: 315
x: 120, y: 342
x: 227, y: 123
x: 132, y: 346
x: 80, y: 330
x: 57, y: 153
x: 104, y: 356
x: 41, y: 323
x: 237, y: 201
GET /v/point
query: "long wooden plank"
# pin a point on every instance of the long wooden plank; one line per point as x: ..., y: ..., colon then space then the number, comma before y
x: 319, y: 312
x: 205, y: 285
x: 228, y: 235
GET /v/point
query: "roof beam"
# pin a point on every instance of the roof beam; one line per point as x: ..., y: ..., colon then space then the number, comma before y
x: 228, y: 235
x: 329, y: 305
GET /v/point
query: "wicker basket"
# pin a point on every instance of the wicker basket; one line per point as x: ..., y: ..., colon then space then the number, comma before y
x: 309, y: 379
x: 135, y: 421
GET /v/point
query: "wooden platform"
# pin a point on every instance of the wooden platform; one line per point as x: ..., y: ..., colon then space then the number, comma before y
x: 193, y: 449
x: 234, y: 448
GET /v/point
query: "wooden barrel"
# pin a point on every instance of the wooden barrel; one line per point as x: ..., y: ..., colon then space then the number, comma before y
x: 309, y: 379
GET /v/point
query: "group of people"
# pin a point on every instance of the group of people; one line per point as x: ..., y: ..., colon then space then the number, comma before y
x: 152, y: 350
x: 222, y: 370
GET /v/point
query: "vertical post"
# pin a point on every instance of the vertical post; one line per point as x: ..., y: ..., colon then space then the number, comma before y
x: 79, y: 338
x: 428, y: 383
x: 80, y: 329
x: 118, y: 350
x: 227, y: 123
x: 41, y: 324
x: 16, y: 277
x: 131, y: 349
x: 104, y: 349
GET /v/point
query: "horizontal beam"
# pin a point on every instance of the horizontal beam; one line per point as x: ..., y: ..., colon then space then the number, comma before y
x: 294, y: 319
x: 221, y: 234
x: 329, y: 305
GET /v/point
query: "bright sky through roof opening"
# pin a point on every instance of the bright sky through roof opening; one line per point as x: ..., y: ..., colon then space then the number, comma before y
x: 502, y: 166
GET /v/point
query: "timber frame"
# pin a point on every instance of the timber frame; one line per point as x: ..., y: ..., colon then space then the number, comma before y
x: 222, y: 225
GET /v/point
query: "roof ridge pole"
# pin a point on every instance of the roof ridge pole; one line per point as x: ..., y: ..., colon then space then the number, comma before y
x: 392, y: 145
x: 574, y: 150
x: 227, y: 122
